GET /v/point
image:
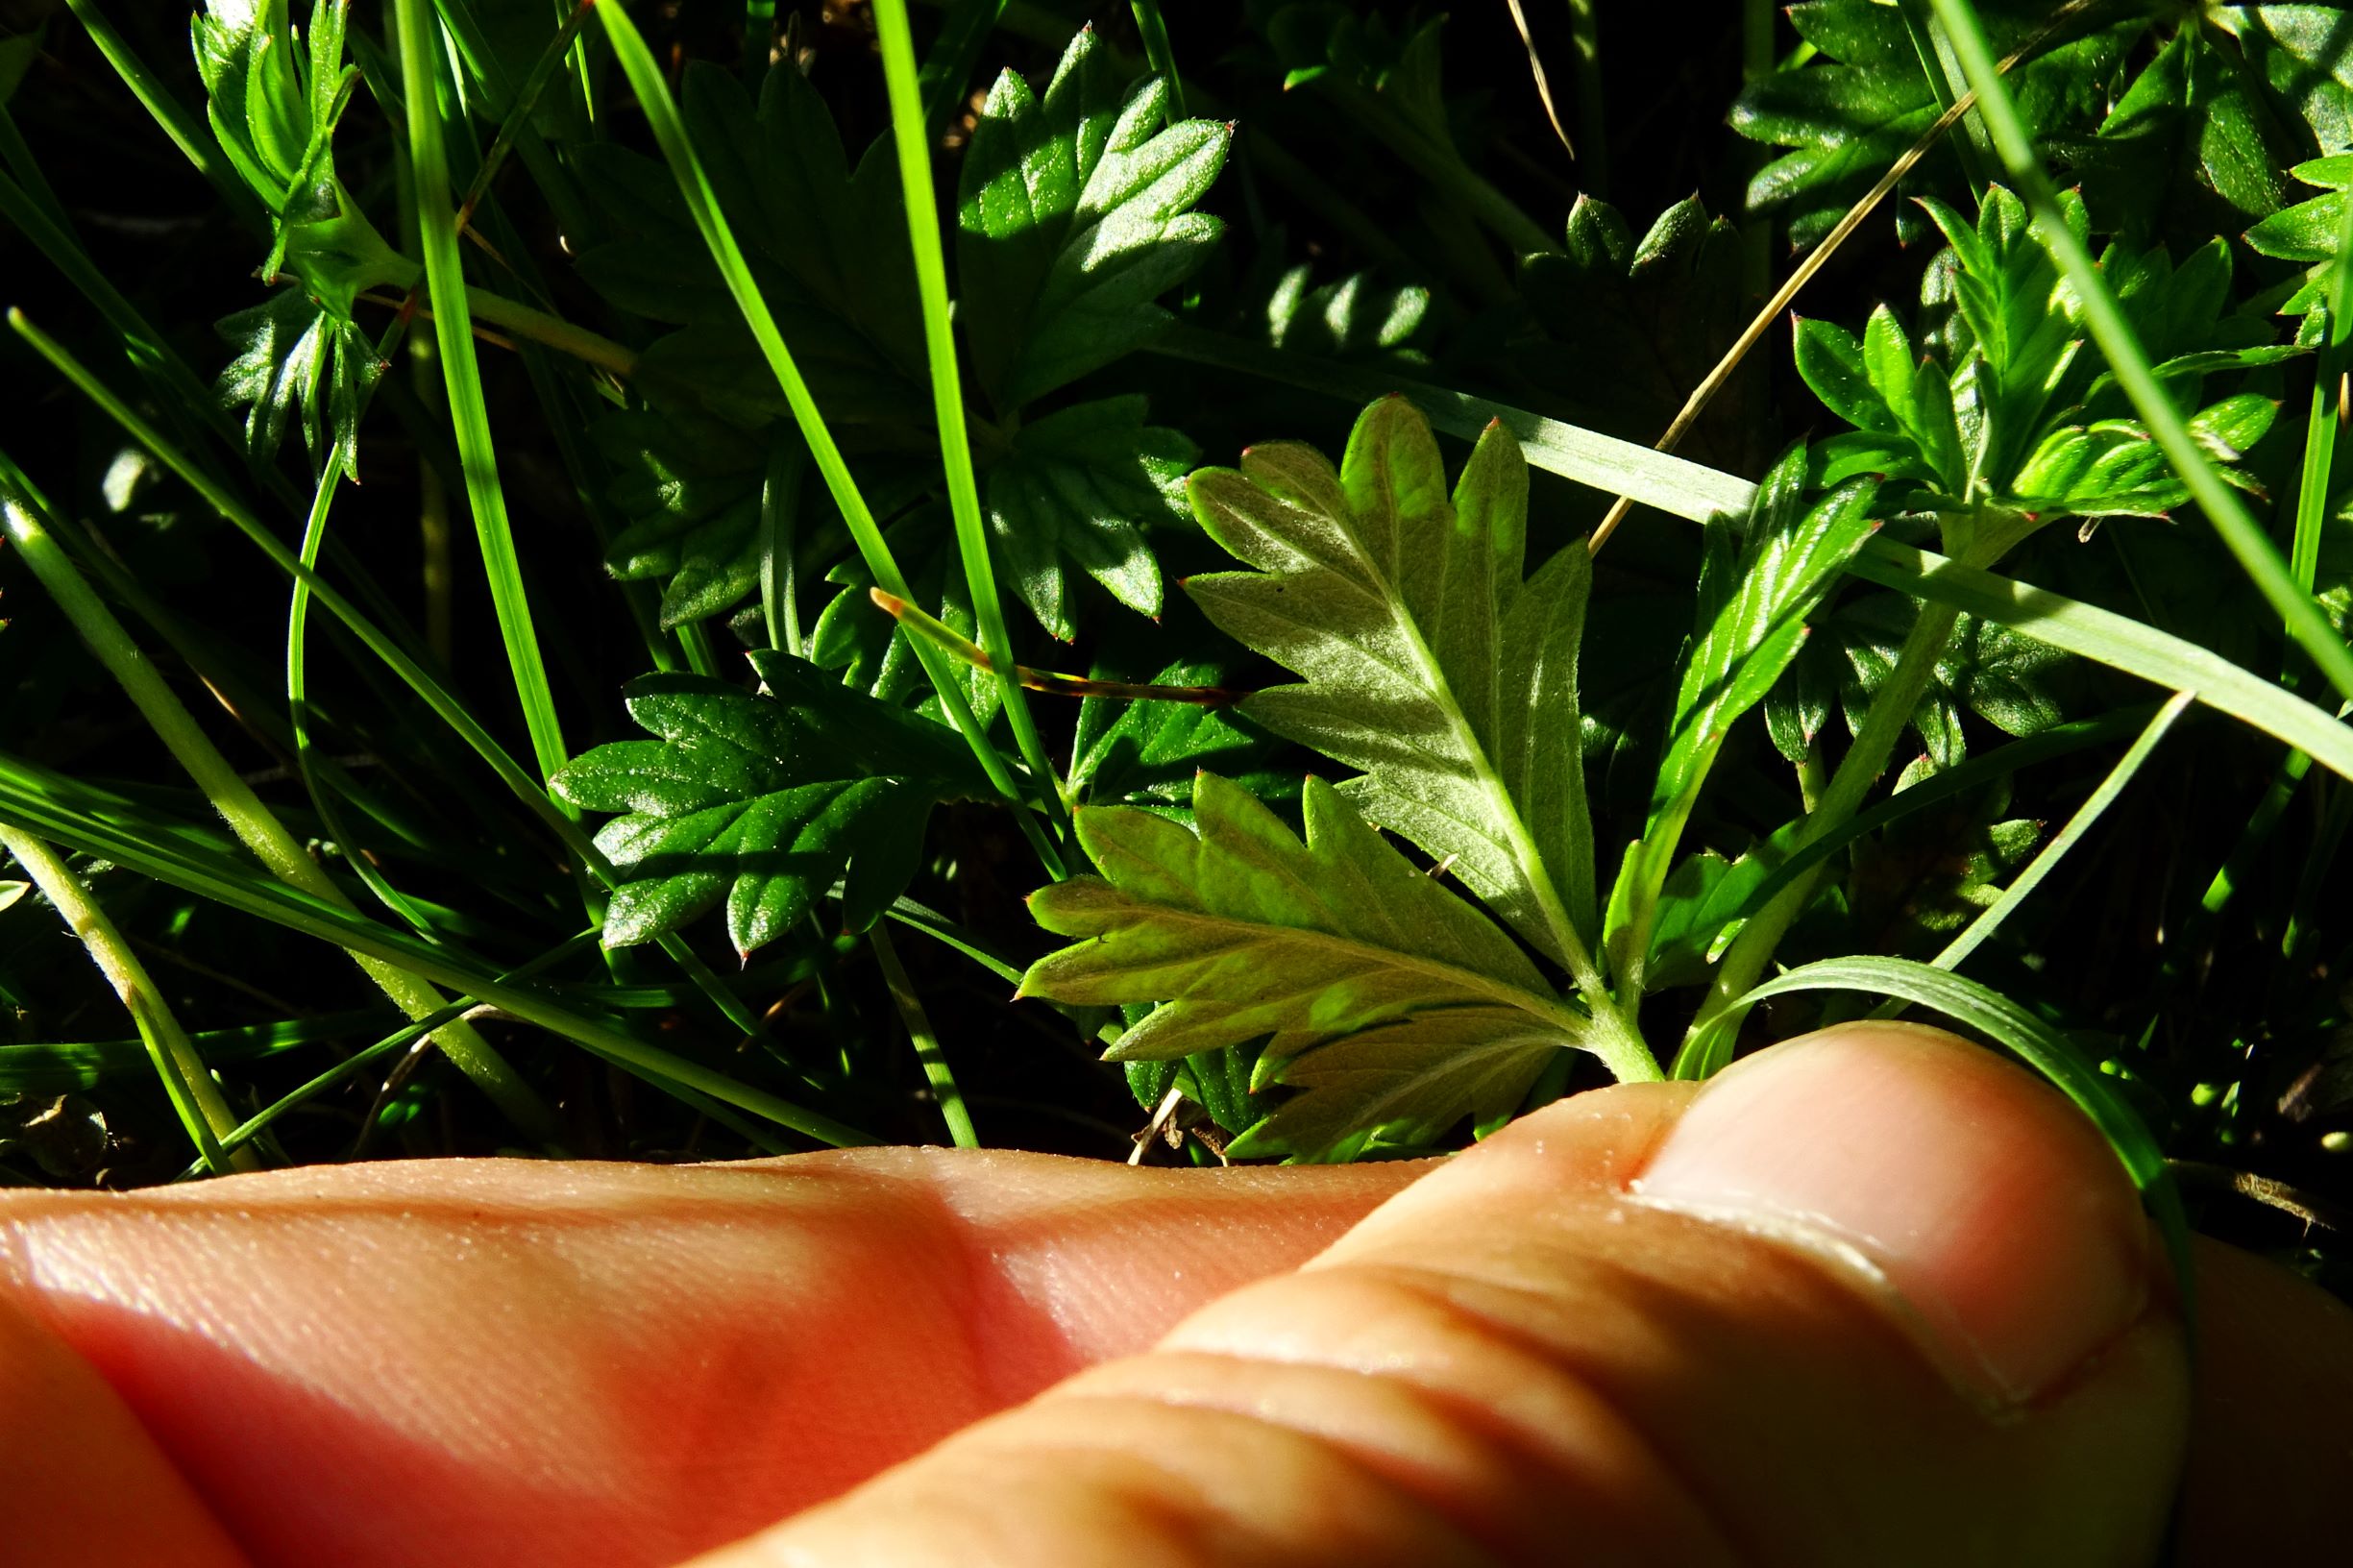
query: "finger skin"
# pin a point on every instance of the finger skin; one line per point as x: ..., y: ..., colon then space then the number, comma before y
x: 1511, y: 1362
x: 401, y: 1364
x: 517, y: 1363
x: 84, y: 1483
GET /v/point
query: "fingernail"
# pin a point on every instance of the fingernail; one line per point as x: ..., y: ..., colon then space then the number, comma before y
x: 1973, y: 1200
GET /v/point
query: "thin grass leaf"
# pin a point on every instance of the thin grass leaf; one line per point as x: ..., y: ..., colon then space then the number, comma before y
x: 907, y: 129
x: 645, y: 77
x: 1976, y: 1007
x: 461, y: 375
x: 2240, y: 532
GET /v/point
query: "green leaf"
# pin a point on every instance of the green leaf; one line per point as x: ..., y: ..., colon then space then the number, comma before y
x: 1627, y: 326
x: 1349, y: 318
x: 298, y: 364
x: 827, y: 249
x: 1749, y: 623
x: 2006, y: 677
x: 1974, y: 1006
x: 1430, y: 664
x: 877, y: 656
x: 2305, y: 53
x: 1073, y: 216
x: 689, y: 486
x: 1146, y: 753
x: 1242, y: 931
x: 763, y: 802
x: 1865, y: 100
x: 1078, y: 488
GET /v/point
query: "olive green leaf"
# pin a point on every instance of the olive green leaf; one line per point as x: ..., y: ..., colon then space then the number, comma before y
x: 1336, y: 943
x: 1430, y: 662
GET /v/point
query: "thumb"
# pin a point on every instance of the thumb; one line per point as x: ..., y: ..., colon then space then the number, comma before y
x: 1872, y: 1296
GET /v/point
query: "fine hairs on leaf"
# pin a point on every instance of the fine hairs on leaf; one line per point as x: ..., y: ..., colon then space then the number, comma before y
x: 1432, y: 662
x: 1386, y: 998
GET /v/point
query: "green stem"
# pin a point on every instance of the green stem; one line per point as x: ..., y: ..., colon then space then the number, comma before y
x: 23, y: 797
x: 539, y: 325
x: 1891, y: 709
x: 947, y: 396
x: 2245, y: 537
x: 1585, y: 60
x: 197, y: 1099
x: 645, y: 77
x: 1152, y: 30
x: 470, y: 415
x: 252, y: 823
x: 912, y: 1014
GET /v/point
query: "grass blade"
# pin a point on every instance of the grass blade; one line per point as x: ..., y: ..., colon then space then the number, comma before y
x: 910, y: 1012
x: 645, y: 76
x: 1968, y: 1003
x: 194, y: 1096
x: 23, y: 799
x: 2245, y: 537
x: 947, y: 394
x: 2116, y: 641
x: 1671, y: 484
x: 186, y: 132
x: 469, y: 413
x: 2094, y: 806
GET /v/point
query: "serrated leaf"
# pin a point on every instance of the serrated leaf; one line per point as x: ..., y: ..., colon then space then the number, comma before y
x: 1754, y: 599
x: 1865, y: 100
x: 2010, y: 680
x: 298, y: 364
x: 827, y: 248
x: 874, y: 653
x: 1625, y: 327
x: 1347, y: 319
x: 1146, y: 753
x: 1073, y: 216
x: 1242, y: 931
x: 1078, y: 488
x: 762, y: 803
x: 1430, y: 662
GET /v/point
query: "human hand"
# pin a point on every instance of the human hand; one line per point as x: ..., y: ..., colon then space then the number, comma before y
x: 1872, y: 1297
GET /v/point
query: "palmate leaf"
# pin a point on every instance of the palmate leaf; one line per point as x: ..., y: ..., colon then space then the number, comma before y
x: 1146, y: 753
x: 1338, y: 943
x: 298, y: 364
x: 1078, y: 488
x: 1866, y: 99
x: 2006, y: 679
x: 827, y: 248
x: 2001, y: 404
x: 1430, y: 664
x: 1627, y: 324
x: 1073, y: 216
x: 763, y: 802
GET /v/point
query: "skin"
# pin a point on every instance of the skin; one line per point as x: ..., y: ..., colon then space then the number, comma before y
x: 1547, y: 1349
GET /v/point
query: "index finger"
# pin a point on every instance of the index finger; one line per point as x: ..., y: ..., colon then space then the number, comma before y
x: 527, y: 1364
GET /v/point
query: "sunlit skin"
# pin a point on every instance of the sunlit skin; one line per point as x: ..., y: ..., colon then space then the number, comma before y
x: 1540, y: 1351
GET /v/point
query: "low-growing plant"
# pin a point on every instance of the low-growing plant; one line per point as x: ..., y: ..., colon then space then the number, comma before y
x: 1159, y: 484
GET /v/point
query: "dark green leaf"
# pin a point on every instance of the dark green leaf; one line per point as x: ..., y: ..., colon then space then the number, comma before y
x: 1073, y: 216
x: 1079, y: 487
x: 763, y: 802
x: 298, y: 364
